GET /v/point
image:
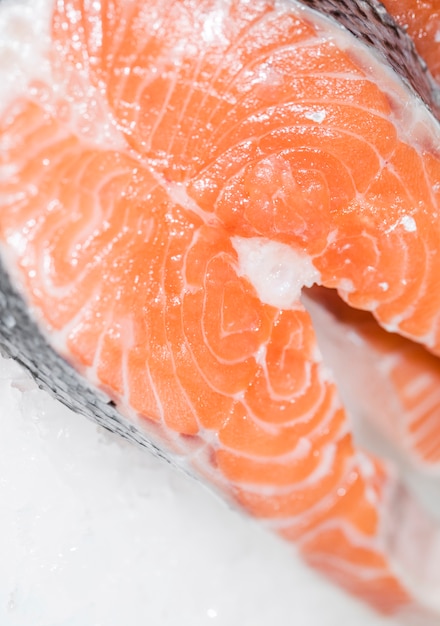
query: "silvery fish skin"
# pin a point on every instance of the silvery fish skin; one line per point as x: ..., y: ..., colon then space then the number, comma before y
x: 370, y: 22
x: 21, y: 339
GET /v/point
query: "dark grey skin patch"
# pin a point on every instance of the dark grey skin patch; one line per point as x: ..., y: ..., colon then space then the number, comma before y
x: 21, y: 339
x: 370, y: 22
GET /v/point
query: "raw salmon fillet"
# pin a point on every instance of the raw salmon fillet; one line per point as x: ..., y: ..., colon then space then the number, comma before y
x: 421, y: 19
x: 187, y: 170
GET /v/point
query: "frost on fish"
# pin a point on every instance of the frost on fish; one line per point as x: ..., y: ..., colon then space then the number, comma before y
x: 276, y: 271
x: 181, y: 147
x: 373, y: 25
x: 421, y: 20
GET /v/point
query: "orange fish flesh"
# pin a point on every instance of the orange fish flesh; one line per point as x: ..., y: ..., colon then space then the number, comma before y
x: 190, y: 168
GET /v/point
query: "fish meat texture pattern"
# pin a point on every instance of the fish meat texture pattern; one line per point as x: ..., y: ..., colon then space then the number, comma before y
x: 185, y: 172
x: 420, y: 19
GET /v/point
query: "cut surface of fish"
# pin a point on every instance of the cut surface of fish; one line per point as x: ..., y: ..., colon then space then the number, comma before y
x: 392, y: 383
x: 421, y: 20
x: 412, y: 57
x: 188, y: 169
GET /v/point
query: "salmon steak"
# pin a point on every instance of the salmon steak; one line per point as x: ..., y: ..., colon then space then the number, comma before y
x: 198, y: 200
